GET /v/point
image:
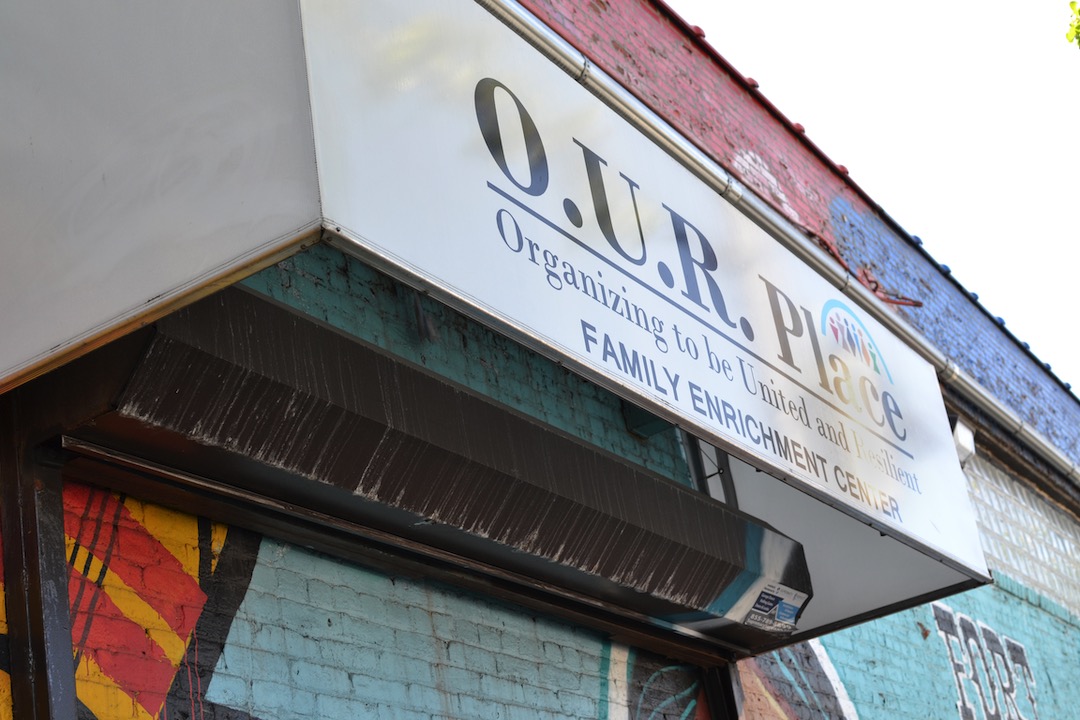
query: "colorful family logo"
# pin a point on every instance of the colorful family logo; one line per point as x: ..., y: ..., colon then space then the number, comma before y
x: 848, y: 332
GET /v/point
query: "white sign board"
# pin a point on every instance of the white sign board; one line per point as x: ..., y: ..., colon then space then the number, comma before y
x: 453, y: 152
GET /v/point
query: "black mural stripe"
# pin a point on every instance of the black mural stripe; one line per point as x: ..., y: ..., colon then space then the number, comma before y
x: 84, y: 713
x: 225, y: 590
x: 100, y: 580
x: 112, y: 541
x: 89, y: 515
x: 206, y: 551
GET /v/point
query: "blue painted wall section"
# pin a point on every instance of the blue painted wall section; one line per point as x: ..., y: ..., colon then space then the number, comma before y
x: 346, y: 294
x: 958, y: 328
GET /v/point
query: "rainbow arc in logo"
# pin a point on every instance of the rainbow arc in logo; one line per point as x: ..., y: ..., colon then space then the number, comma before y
x: 851, y: 335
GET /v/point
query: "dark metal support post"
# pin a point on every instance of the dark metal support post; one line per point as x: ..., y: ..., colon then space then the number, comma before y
x: 35, y: 574
x: 723, y: 692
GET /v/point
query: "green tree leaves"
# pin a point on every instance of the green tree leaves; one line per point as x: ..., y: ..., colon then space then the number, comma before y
x: 1074, y: 26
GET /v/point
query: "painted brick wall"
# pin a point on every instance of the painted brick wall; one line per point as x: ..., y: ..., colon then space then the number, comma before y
x: 987, y: 653
x: 998, y: 652
x: 1007, y: 651
x: 317, y: 638
x: 339, y: 290
x: 178, y: 618
x: 676, y: 75
x: 175, y: 617
x: 137, y: 574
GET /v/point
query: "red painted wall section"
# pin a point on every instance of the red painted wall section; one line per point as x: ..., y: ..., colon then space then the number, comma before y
x: 643, y: 47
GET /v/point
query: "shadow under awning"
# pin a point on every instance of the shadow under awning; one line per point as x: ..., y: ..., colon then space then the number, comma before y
x: 245, y: 393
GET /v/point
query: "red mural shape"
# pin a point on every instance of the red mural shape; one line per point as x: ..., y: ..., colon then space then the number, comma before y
x: 133, y: 604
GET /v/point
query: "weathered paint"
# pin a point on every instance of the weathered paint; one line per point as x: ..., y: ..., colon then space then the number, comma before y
x: 910, y: 665
x: 678, y: 76
x: 339, y: 290
x: 318, y: 637
x: 193, y: 628
x: 1007, y: 651
x: 798, y: 681
x: 171, y: 621
x: 989, y: 653
x: 135, y: 589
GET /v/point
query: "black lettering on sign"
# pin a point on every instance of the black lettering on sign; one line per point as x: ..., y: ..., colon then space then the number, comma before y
x: 490, y: 127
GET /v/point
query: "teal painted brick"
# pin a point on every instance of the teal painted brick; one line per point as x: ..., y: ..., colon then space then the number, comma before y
x: 376, y: 688
x: 541, y: 697
x: 269, y: 638
x: 301, y: 647
x: 373, y: 669
x: 466, y: 631
x: 232, y: 690
x: 462, y: 680
x: 574, y: 661
x: 356, y: 657
x: 455, y: 654
x: 489, y: 637
x: 291, y: 586
x: 479, y: 658
x: 235, y: 660
x: 318, y: 590
x: 321, y: 679
x: 242, y: 630
x: 275, y: 697
x: 420, y: 645
x: 473, y: 707
x: 274, y: 664
x: 329, y: 706
x: 553, y: 676
x: 423, y: 696
x: 348, y: 295
x: 507, y: 690
x: 516, y: 669
x: 577, y: 705
x: 553, y: 653
x: 899, y: 666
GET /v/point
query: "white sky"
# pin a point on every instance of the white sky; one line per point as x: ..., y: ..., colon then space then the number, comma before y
x: 960, y: 119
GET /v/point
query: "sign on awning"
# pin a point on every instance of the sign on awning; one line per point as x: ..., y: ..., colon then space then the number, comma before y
x: 457, y: 156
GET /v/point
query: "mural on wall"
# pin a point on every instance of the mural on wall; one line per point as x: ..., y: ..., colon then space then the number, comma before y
x: 793, y: 683
x: 150, y: 592
x: 993, y: 676
x: 162, y: 602
x: 641, y: 686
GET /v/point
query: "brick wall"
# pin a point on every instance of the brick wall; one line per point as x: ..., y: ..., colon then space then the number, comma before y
x: 996, y: 652
x: 339, y: 290
x: 984, y: 654
x: 176, y: 618
x: 1006, y: 651
x: 317, y: 638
